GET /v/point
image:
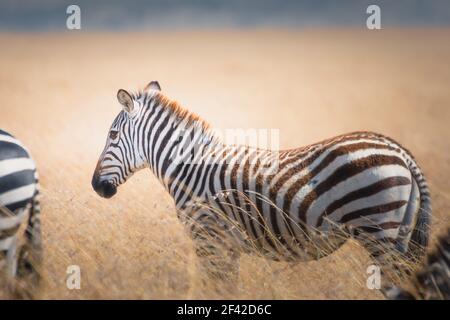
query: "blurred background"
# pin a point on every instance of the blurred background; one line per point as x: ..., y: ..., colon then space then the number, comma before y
x: 311, y: 69
x: 46, y: 15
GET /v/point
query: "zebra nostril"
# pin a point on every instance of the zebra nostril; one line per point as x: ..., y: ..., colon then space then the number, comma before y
x: 108, y: 189
x: 104, y: 188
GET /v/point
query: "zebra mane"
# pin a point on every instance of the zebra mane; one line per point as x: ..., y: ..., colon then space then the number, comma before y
x: 182, y: 114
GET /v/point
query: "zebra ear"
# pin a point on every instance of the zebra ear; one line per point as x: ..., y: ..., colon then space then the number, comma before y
x: 125, y: 100
x: 154, y: 85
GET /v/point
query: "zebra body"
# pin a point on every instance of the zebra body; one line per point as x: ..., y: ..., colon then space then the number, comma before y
x: 234, y: 199
x: 361, y: 181
x: 19, y: 205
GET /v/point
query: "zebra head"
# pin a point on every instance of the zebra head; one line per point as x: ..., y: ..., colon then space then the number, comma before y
x: 121, y: 156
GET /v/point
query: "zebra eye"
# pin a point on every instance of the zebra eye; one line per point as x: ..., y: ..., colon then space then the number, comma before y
x: 113, y: 134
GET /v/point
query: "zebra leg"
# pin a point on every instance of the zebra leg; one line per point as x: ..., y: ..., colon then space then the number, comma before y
x: 433, y: 280
x: 27, y: 274
x: 19, y: 261
x: 219, y: 262
x: 404, y: 254
x: 218, y: 255
x: 386, y: 256
x: 8, y: 264
x: 9, y: 245
x: 9, y: 224
x: 411, y: 231
x: 30, y: 255
x: 218, y: 266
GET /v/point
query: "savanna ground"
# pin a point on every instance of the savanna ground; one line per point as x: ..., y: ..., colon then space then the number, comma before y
x: 58, y: 95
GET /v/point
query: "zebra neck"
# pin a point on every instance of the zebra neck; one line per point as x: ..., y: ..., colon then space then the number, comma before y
x: 179, y: 143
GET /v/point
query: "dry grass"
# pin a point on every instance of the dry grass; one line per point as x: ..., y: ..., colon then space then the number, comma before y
x: 58, y: 96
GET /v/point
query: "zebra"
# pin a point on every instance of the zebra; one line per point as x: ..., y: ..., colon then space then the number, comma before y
x: 433, y: 281
x: 19, y: 206
x: 233, y: 199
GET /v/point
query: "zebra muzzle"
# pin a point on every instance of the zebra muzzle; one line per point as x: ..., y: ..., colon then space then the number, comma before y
x: 104, y: 188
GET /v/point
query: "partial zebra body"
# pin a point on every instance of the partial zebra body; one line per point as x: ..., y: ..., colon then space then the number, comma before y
x: 293, y: 205
x: 19, y: 206
x: 432, y: 282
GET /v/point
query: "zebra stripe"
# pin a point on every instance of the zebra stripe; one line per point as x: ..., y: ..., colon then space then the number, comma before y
x: 19, y: 192
x: 432, y: 282
x: 353, y: 184
x: 17, y: 173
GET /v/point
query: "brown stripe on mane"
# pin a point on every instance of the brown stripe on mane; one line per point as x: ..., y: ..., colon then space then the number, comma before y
x: 179, y: 111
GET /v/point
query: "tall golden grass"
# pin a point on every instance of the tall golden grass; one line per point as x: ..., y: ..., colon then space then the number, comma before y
x: 317, y: 244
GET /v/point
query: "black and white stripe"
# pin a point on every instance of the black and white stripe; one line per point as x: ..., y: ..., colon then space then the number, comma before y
x: 19, y: 205
x: 294, y: 205
x: 432, y: 282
